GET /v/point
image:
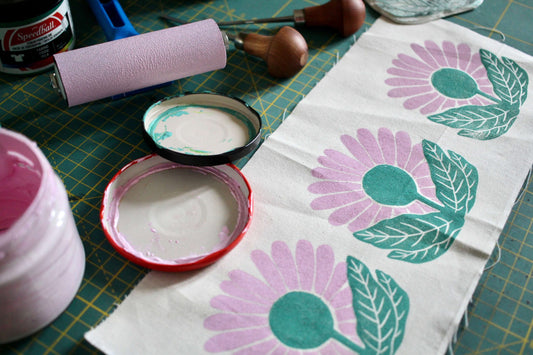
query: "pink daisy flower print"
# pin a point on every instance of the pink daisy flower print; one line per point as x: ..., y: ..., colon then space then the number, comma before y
x: 374, y: 179
x: 437, y: 78
x: 302, y: 303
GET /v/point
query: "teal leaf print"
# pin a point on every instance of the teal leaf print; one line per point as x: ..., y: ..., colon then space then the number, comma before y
x: 470, y: 175
x: 454, y: 178
x: 480, y: 122
x: 414, y: 238
x: 521, y: 76
x: 503, y: 79
x: 381, y: 308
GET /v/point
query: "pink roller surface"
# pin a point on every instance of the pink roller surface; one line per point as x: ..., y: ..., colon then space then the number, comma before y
x: 124, y: 65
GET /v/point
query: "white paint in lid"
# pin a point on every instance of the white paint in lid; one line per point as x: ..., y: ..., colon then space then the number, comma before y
x: 173, y: 217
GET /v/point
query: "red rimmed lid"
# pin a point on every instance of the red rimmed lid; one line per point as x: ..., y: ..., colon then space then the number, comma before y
x: 172, y: 217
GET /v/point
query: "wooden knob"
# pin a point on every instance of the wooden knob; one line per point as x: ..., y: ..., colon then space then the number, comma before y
x: 346, y: 16
x: 285, y: 53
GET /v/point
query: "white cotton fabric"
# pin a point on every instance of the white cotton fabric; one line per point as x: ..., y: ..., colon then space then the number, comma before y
x: 165, y: 313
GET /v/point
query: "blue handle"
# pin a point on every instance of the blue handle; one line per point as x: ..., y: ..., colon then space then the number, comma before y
x: 112, y: 19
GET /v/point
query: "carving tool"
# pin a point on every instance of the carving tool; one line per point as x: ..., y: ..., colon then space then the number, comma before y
x: 345, y: 16
x: 285, y: 53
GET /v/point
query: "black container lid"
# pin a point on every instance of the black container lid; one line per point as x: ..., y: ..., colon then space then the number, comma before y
x: 20, y: 10
x: 217, y: 130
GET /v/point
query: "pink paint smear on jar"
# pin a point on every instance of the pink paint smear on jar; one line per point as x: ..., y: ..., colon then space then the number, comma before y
x: 41, y: 255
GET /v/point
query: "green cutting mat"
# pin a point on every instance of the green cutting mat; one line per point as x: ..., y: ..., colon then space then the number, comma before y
x: 87, y: 145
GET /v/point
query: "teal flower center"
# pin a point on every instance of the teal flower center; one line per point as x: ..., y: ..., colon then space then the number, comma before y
x: 390, y: 185
x: 454, y: 83
x: 301, y: 320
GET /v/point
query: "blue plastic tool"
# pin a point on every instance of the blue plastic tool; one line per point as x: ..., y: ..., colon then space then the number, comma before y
x: 116, y: 25
x: 112, y: 18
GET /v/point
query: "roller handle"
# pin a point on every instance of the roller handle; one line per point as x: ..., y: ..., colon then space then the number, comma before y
x: 285, y: 53
x: 346, y: 16
x: 112, y: 18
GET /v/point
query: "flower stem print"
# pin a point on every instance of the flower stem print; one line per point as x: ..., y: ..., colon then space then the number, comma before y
x: 480, y: 93
x: 305, y: 304
x: 415, y: 237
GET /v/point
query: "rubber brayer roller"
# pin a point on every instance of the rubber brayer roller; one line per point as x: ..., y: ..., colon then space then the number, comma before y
x: 133, y: 63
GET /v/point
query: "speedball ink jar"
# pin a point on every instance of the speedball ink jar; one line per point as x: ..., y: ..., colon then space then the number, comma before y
x: 42, y: 259
x: 31, y: 32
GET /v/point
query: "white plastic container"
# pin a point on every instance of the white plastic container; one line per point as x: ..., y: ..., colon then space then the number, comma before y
x: 41, y: 255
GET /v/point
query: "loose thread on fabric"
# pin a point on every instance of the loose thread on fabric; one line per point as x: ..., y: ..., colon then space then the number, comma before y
x: 491, y: 30
x: 524, y: 188
x: 498, y: 257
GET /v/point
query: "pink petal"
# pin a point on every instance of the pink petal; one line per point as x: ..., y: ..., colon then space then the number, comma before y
x: 475, y: 63
x: 262, y: 348
x: 435, y: 51
x: 368, y: 141
x: 269, y: 271
x: 407, y: 73
x: 280, y: 350
x: 248, y: 287
x: 230, y: 304
x: 432, y: 106
x: 479, y: 73
x: 417, y: 155
x: 417, y: 101
x: 383, y: 213
x: 415, y: 63
x: 409, y: 91
x: 345, y: 214
x: 449, y: 103
x: 398, y: 63
x: 476, y: 101
x: 485, y: 101
x: 324, y: 267
x: 357, y: 150
x: 418, y: 207
x: 451, y: 53
x: 424, y: 181
x: 421, y: 171
x: 345, y: 314
x: 405, y: 82
x: 365, y: 219
x: 338, y: 280
x: 423, y: 53
x: 344, y: 160
x: 328, y: 174
x: 229, y: 321
x: 464, y: 55
x: 282, y: 257
x: 387, y: 146
x: 403, y: 148
x: 326, y: 187
x: 348, y: 329
x: 233, y: 340
x: 335, y: 200
x: 305, y: 261
x: 484, y: 83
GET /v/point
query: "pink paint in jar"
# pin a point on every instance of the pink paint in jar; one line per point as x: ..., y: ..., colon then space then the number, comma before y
x: 41, y: 254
